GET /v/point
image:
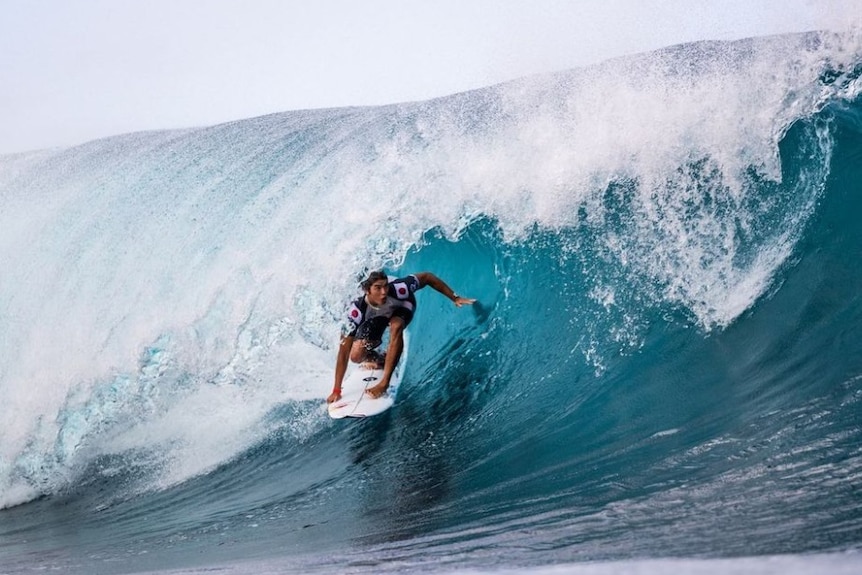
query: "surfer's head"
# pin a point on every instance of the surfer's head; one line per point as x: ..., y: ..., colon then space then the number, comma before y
x: 373, y: 277
x: 376, y: 287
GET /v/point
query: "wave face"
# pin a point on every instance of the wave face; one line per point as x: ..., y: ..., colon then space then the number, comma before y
x: 665, y: 359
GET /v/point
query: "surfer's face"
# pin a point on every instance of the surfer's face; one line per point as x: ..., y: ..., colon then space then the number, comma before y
x: 377, y: 293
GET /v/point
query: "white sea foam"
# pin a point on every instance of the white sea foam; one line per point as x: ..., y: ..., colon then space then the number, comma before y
x: 832, y: 563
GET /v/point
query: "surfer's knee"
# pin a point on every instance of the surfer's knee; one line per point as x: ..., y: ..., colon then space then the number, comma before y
x: 357, y: 351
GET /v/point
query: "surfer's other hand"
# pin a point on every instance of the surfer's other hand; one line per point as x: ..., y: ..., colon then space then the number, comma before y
x: 334, y: 396
x: 459, y: 301
x: 376, y: 391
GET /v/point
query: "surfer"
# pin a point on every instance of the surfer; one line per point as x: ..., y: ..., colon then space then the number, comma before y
x: 385, y: 304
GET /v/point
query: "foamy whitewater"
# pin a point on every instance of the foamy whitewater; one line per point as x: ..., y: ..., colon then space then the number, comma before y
x: 663, y: 372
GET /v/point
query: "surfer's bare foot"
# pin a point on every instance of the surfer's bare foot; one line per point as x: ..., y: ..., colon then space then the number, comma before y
x: 377, y: 390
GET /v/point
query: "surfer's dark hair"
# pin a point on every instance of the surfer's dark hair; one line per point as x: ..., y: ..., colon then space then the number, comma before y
x: 373, y: 277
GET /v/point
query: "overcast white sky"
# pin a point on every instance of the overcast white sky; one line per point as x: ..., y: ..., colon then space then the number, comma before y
x: 74, y: 70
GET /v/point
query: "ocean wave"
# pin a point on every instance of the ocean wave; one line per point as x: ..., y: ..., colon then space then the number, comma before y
x: 666, y: 330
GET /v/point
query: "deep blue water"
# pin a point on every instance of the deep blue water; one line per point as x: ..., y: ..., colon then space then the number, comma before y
x: 665, y: 359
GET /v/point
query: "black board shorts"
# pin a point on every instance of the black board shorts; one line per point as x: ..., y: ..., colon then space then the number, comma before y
x: 371, y: 330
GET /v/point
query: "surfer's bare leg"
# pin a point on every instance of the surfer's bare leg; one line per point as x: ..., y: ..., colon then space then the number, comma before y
x: 362, y: 351
x: 393, y: 354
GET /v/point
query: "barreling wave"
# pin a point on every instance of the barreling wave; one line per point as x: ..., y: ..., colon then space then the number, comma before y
x: 664, y: 359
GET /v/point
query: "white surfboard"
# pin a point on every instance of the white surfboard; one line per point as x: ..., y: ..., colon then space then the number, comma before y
x: 355, y: 402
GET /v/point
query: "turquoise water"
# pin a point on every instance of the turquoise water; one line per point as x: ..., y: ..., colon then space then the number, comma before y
x: 664, y: 361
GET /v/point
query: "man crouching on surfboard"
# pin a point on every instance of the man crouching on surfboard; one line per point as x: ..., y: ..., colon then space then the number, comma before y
x: 385, y: 304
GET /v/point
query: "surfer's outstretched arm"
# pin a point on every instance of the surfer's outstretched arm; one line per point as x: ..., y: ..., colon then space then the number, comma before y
x: 429, y: 279
x: 340, y: 367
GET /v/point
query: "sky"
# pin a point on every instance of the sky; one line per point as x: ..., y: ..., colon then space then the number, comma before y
x: 76, y: 70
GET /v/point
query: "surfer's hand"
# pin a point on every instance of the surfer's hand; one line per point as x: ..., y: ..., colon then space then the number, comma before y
x: 459, y: 301
x: 334, y: 396
x: 377, y: 390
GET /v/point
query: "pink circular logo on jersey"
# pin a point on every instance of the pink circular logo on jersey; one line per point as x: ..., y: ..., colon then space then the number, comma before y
x: 402, y: 290
x: 354, y: 313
